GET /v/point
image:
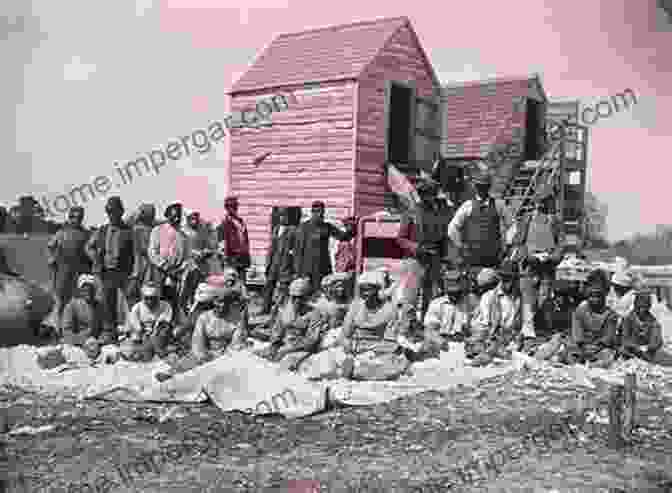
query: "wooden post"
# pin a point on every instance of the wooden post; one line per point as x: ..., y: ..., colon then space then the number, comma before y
x: 616, y: 416
x: 630, y: 403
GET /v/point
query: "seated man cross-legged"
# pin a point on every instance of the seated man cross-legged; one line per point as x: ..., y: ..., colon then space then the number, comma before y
x: 642, y: 333
x: 449, y: 316
x: 594, y: 326
x: 498, y: 323
x: 296, y: 329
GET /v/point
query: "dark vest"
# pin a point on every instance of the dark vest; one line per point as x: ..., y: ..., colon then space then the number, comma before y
x: 482, y: 236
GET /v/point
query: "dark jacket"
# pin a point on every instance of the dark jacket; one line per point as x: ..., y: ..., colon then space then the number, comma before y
x: 280, y: 257
x: 96, y: 249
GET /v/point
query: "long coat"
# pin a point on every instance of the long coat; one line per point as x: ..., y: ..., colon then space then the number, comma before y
x: 280, y: 257
x: 312, y: 259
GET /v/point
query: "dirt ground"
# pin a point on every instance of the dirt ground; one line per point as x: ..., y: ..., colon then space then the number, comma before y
x: 409, y: 444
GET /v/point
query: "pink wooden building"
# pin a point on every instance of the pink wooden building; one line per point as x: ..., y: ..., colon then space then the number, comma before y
x: 361, y: 96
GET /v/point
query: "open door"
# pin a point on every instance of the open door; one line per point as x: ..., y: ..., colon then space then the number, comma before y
x: 426, y: 133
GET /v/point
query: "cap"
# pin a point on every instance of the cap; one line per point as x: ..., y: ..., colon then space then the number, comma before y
x: 299, y: 287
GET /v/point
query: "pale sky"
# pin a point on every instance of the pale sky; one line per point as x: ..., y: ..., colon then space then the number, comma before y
x: 90, y: 82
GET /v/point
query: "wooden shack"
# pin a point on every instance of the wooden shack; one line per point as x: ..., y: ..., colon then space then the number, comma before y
x: 358, y: 96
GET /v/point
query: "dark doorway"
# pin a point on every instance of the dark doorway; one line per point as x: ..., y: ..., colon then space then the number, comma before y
x: 533, y: 130
x: 398, y: 135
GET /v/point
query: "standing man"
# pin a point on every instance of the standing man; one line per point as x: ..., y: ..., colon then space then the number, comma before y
x: 280, y: 259
x: 312, y: 259
x: 142, y: 268
x: 346, y: 251
x: 168, y: 251
x: 233, y: 239
x: 67, y: 258
x: 479, y: 227
x: 428, y: 244
x: 111, y: 250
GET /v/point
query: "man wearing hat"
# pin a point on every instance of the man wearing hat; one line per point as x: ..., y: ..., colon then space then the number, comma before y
x: 594, y: 336
x: 280, y: 259
x: 297, y: 328
x: 479, y: 226
x: 111, y: 249
x: 233, y: 239
x: 168, y: 252
x: 67, y: 257
x: 426, y: 240
x: 498, y: 323
x: 312, y: 259
x: 450, y: 315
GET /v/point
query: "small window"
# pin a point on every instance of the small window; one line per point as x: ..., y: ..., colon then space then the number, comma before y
x: 398, y: 135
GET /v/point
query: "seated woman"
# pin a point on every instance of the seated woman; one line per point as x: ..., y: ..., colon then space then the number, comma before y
x: 450, y: 315
x: 83, y: 316
x: 149, y: 326
x: 223, y: 328
x: 594, y: 326
x: 553, y: 323
x: 642, y: 333
x: 373, y: 356
x: 334, y: 306
x: 498, y: 324
x: 296, y: 330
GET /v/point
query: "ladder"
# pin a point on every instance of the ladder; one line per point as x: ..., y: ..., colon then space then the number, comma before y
x: 531, y: 176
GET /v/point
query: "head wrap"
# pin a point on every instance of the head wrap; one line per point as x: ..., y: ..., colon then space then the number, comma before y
x: 86, y: 279
x: 299, y: 287
x: 622, y: 278
x: 371, y: 277
x: 150, y: 290
x: 487, y: 276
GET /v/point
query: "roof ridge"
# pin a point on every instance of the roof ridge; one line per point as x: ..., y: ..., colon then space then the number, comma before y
x: 339, y: 27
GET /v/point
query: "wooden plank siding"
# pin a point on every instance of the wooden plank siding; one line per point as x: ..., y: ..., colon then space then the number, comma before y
x: 475, y: 116
x: 312, y: 155
x: 401, y: 59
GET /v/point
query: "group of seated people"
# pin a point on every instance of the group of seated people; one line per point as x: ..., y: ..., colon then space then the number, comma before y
x: 378, y: 334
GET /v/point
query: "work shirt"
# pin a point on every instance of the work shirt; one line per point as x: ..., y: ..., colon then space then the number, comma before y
x: 368, y: 327
x: 216, y: 334
x: 593, y: 328
x: 450, y: 318
x: 143, y: 320
x: 499, y: 314
x: 168, y: 248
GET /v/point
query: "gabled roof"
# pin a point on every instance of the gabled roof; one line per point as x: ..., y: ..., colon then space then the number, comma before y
x: 321, y: 55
